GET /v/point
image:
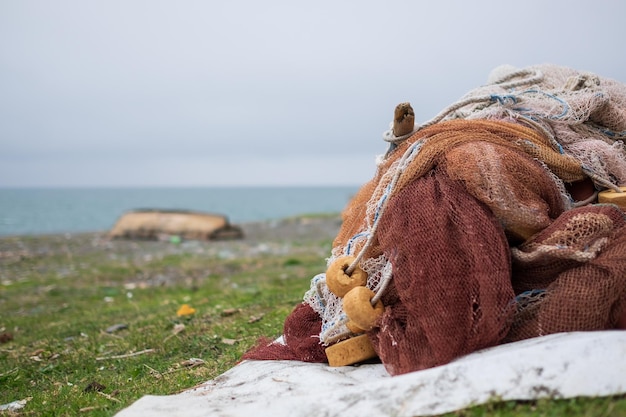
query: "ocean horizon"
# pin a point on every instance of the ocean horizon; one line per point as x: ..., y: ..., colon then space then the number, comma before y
x: 52, y: 210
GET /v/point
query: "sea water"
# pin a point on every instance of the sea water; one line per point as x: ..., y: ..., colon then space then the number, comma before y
x: 71, y: 210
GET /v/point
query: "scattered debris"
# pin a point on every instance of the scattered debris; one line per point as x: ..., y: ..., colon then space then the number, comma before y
x: 230, y: 312
x: 154, y: 372
x: 15, y: 405
x: 36, y: 355
x: 128, y: 355
x: 88, y: 409
x: 71, y: 338
x: 254, y: 319
x: 102, y: 332
x: 179, y: 327
x: 5, y: 337
x: 192, y: 362
x: 116, y: 328
x: 185, y: 310
x: 189, y: 363
x: 230, y: 342
x: 109, y: 397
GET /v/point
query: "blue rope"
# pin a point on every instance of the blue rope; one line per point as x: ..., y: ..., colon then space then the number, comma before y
x: 563, y: 103
x: 503, y: 99
x: 414, y: 147
x: 382, y: 201
x: 352, y: 239
x: 613, y: 134
x: 529, y: 294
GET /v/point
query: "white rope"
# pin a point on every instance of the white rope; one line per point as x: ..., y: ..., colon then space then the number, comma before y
x: 384, y: 281
x: 535, y: 77
x: 402, y: 165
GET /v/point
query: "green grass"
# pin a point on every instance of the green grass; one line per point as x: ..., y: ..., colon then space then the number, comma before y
x: 580, y: 407
x: 58, y: 304
x: 60, y: 347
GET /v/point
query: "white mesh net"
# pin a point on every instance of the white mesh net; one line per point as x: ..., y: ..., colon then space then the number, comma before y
x: 584, y: 113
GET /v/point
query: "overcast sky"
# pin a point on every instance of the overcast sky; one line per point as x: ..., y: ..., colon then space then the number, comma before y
x: 192, y: 93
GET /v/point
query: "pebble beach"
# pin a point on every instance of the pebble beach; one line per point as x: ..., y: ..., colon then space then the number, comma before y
x: 285, y: 237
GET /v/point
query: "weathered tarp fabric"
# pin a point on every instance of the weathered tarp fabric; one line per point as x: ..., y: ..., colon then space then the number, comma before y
x: 555, y: 366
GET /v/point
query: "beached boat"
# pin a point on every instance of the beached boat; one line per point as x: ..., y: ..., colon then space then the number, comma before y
x: 151, y: 224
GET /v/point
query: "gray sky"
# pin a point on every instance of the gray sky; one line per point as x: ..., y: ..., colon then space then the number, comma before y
x: 190, y: 93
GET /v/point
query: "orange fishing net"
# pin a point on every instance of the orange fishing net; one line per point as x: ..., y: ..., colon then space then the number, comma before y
x: 482, y: 140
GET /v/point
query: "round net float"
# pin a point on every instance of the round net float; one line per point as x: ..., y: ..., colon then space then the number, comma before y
x: 358, y: 307
x: 613, y: 197
x: 354, y: 328
x: 348, y: 352
x: 338, y: 281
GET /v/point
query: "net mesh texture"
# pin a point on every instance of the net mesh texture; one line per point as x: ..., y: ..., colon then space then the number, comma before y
x: 481, y: 227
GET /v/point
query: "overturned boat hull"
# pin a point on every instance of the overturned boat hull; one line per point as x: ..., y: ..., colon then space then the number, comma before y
x: 149, y: 224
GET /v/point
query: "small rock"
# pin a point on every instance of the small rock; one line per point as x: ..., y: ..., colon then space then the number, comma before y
x: 192, y: 362
x: 15, y: 405
x: 230, y: 312
x: 116, y: 328
x: 178, y: 328
x: 254, y: 319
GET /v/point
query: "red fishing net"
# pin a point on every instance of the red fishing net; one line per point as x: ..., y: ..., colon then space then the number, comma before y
x: 572, y: 275
x: 300, y: 339
x: 451, y: 277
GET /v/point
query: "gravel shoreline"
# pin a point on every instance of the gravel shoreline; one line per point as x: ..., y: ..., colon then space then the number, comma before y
x: 285, y: 237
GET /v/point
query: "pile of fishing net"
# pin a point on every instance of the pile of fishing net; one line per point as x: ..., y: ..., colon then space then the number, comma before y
x: 480, y: 227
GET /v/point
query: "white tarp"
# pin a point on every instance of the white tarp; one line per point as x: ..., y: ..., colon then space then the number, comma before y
x: 559, y: 366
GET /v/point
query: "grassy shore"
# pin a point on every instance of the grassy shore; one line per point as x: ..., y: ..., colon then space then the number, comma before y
x: 89, y: 325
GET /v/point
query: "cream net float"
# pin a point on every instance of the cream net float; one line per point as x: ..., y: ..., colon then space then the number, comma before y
x: 500, y: 219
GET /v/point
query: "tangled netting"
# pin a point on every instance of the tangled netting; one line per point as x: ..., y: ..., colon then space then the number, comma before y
x: 481, y: 226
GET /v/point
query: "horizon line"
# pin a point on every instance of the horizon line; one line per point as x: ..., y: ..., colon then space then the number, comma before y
x: 6, y: 187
